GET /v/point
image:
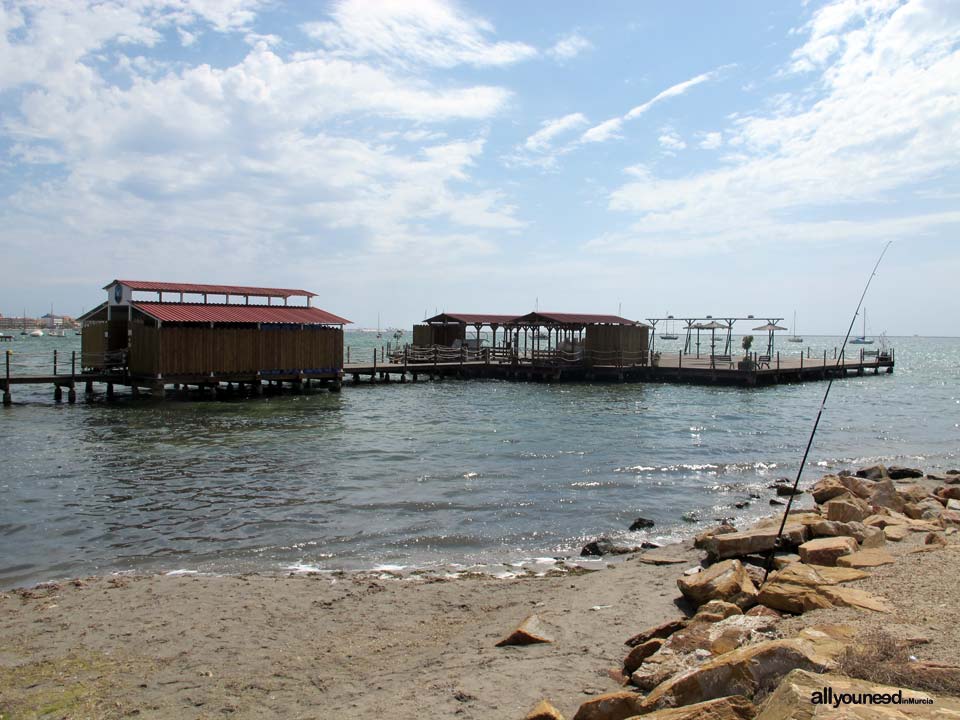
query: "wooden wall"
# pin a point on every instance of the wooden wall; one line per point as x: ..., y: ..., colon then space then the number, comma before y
x: 628, y: 338
x: 191, y: 350
x: 93, y: 343
x: 427, y: 335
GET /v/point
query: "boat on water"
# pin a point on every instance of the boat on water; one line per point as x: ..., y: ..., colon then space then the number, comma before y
x: 795, y: 338
x: 863, y: 339
x: 36, y: 333
x: 669, y: 334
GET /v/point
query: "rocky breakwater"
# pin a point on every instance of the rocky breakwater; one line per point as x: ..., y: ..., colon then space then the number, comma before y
x: 732, y: 655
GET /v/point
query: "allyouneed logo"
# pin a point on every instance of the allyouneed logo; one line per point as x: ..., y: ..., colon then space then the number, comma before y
x: 827, y: 696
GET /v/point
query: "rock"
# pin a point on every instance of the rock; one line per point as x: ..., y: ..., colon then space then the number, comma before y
x: 846, y: 508
x: 663, y: 630
x: 741, y: 505
x: 603, y: 546
x: 726, y: 580
x: 825, y: 551
x: 762, y: 611
x: 792, y: 699
x: 756, y: 540
x: 886, y: 519
x: 827, y: 488
x: 596, y: 548
x: 865, y: 559
x: 716, y: 610
x: 756, y: 572
x: 929, y: 509
x: 529, y: 632
x: 701, y: 540
x: 914, y: 493
x: 872, y: 538
x: 953, y: 505
x: 854, y: 597
x: 544, y: 711
x: 884, y: 494
x: 895, y: 533
x: 641, y: 652
x: 741, y: 672
x: 873, y: 472
x: 934, y: 539
x: 774, y: 501
x: 649, y: 675
x: 788, y: 490
x: 739, y: 630
x: 948, y: 493
x: 798, y: 588
x: 897, y: 472
x: 612, y: 706
x: 735, y: 707
x: 641, y: 524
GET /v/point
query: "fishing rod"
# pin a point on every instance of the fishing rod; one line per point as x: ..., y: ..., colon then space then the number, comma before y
x: 816, y: 423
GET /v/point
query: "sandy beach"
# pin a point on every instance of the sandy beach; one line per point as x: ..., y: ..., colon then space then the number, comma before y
x: 366, y: 645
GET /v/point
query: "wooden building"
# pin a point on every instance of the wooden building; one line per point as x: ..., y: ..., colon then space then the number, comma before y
x: 450, y: 329
x: 185, y: 333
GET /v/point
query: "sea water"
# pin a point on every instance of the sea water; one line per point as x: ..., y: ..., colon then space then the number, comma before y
x: 432, y: 474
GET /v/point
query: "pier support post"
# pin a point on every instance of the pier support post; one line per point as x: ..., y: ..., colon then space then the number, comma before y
x: 88, y: 387
x: 72, y: 394
x: 7, y: 399
x: 110, y: 391
x: 57, y: 393
x: 134, y: 390
x: 414, y: 377
x: 335, y: 385
x: 156, y: 391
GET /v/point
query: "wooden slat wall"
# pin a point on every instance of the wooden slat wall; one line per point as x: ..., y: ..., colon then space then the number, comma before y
x: 186, y: 350
x: 616, y: 337
x: 93, y: 343
x: 422, y: 335
x: 144, y: 349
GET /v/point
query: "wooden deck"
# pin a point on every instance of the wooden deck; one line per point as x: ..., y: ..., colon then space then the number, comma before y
x: 546, y: 367
x: 671, y: 368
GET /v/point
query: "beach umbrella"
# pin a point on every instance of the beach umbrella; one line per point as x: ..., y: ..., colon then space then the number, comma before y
x: 770, y: 328
x: 712, y: 326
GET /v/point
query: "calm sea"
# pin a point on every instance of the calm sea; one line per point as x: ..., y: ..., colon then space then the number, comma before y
x: 429, y: 474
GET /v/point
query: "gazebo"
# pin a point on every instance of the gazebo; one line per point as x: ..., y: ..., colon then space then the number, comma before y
x: 770, y: 328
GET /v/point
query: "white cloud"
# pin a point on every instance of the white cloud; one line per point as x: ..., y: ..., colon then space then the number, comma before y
x: 604, y: 131
x: 673, y: 91
x: 569, y: 47
x: 671, y: 142
x: 883, y: 117
x: 262, y: 160
x: 423, y: 32
x: 711, y: 140
x: 543, y: 138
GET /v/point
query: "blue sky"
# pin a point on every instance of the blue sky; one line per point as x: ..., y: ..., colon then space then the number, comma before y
x: 402, y: 157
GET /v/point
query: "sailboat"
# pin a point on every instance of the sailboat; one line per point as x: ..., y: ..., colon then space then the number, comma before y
x: 669, y: 334
x: 379, y: 333
x: 794, y: 337
x: 863, y: 339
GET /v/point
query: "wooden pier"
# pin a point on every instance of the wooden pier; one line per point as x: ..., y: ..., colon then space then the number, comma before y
x: 554, y: 366
x: 438, y: 364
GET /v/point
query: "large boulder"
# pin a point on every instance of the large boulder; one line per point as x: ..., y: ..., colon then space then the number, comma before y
x: 702, y: 540
x: 726, y: 580
x: 914, y: 493
x: 895, y: 533
x: 756, y: 540
x: 826, y: 550
x: 948, y: 493
x: 846, y: 508
x: 612, y: 706
x: 827, y: 488
x: 735, y: 707
x: 798, y: 588
x: 717, y: 610
x: 884, y: 494
x: 802, y: 694
x: 741, y: 672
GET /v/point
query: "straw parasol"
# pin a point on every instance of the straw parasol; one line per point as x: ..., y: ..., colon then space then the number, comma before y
x: 770, y: 328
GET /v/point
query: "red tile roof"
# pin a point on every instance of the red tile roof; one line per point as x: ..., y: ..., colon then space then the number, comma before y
x: 206, y: 313
x: 211, y: 289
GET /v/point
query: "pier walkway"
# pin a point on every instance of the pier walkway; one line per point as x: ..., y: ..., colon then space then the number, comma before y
x: 546, y: 366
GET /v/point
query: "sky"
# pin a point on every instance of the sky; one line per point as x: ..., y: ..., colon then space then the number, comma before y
x: 401, y: 158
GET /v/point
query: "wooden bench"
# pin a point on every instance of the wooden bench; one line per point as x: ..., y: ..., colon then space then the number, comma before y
x: 763, y: 360
x: 714, y: 359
